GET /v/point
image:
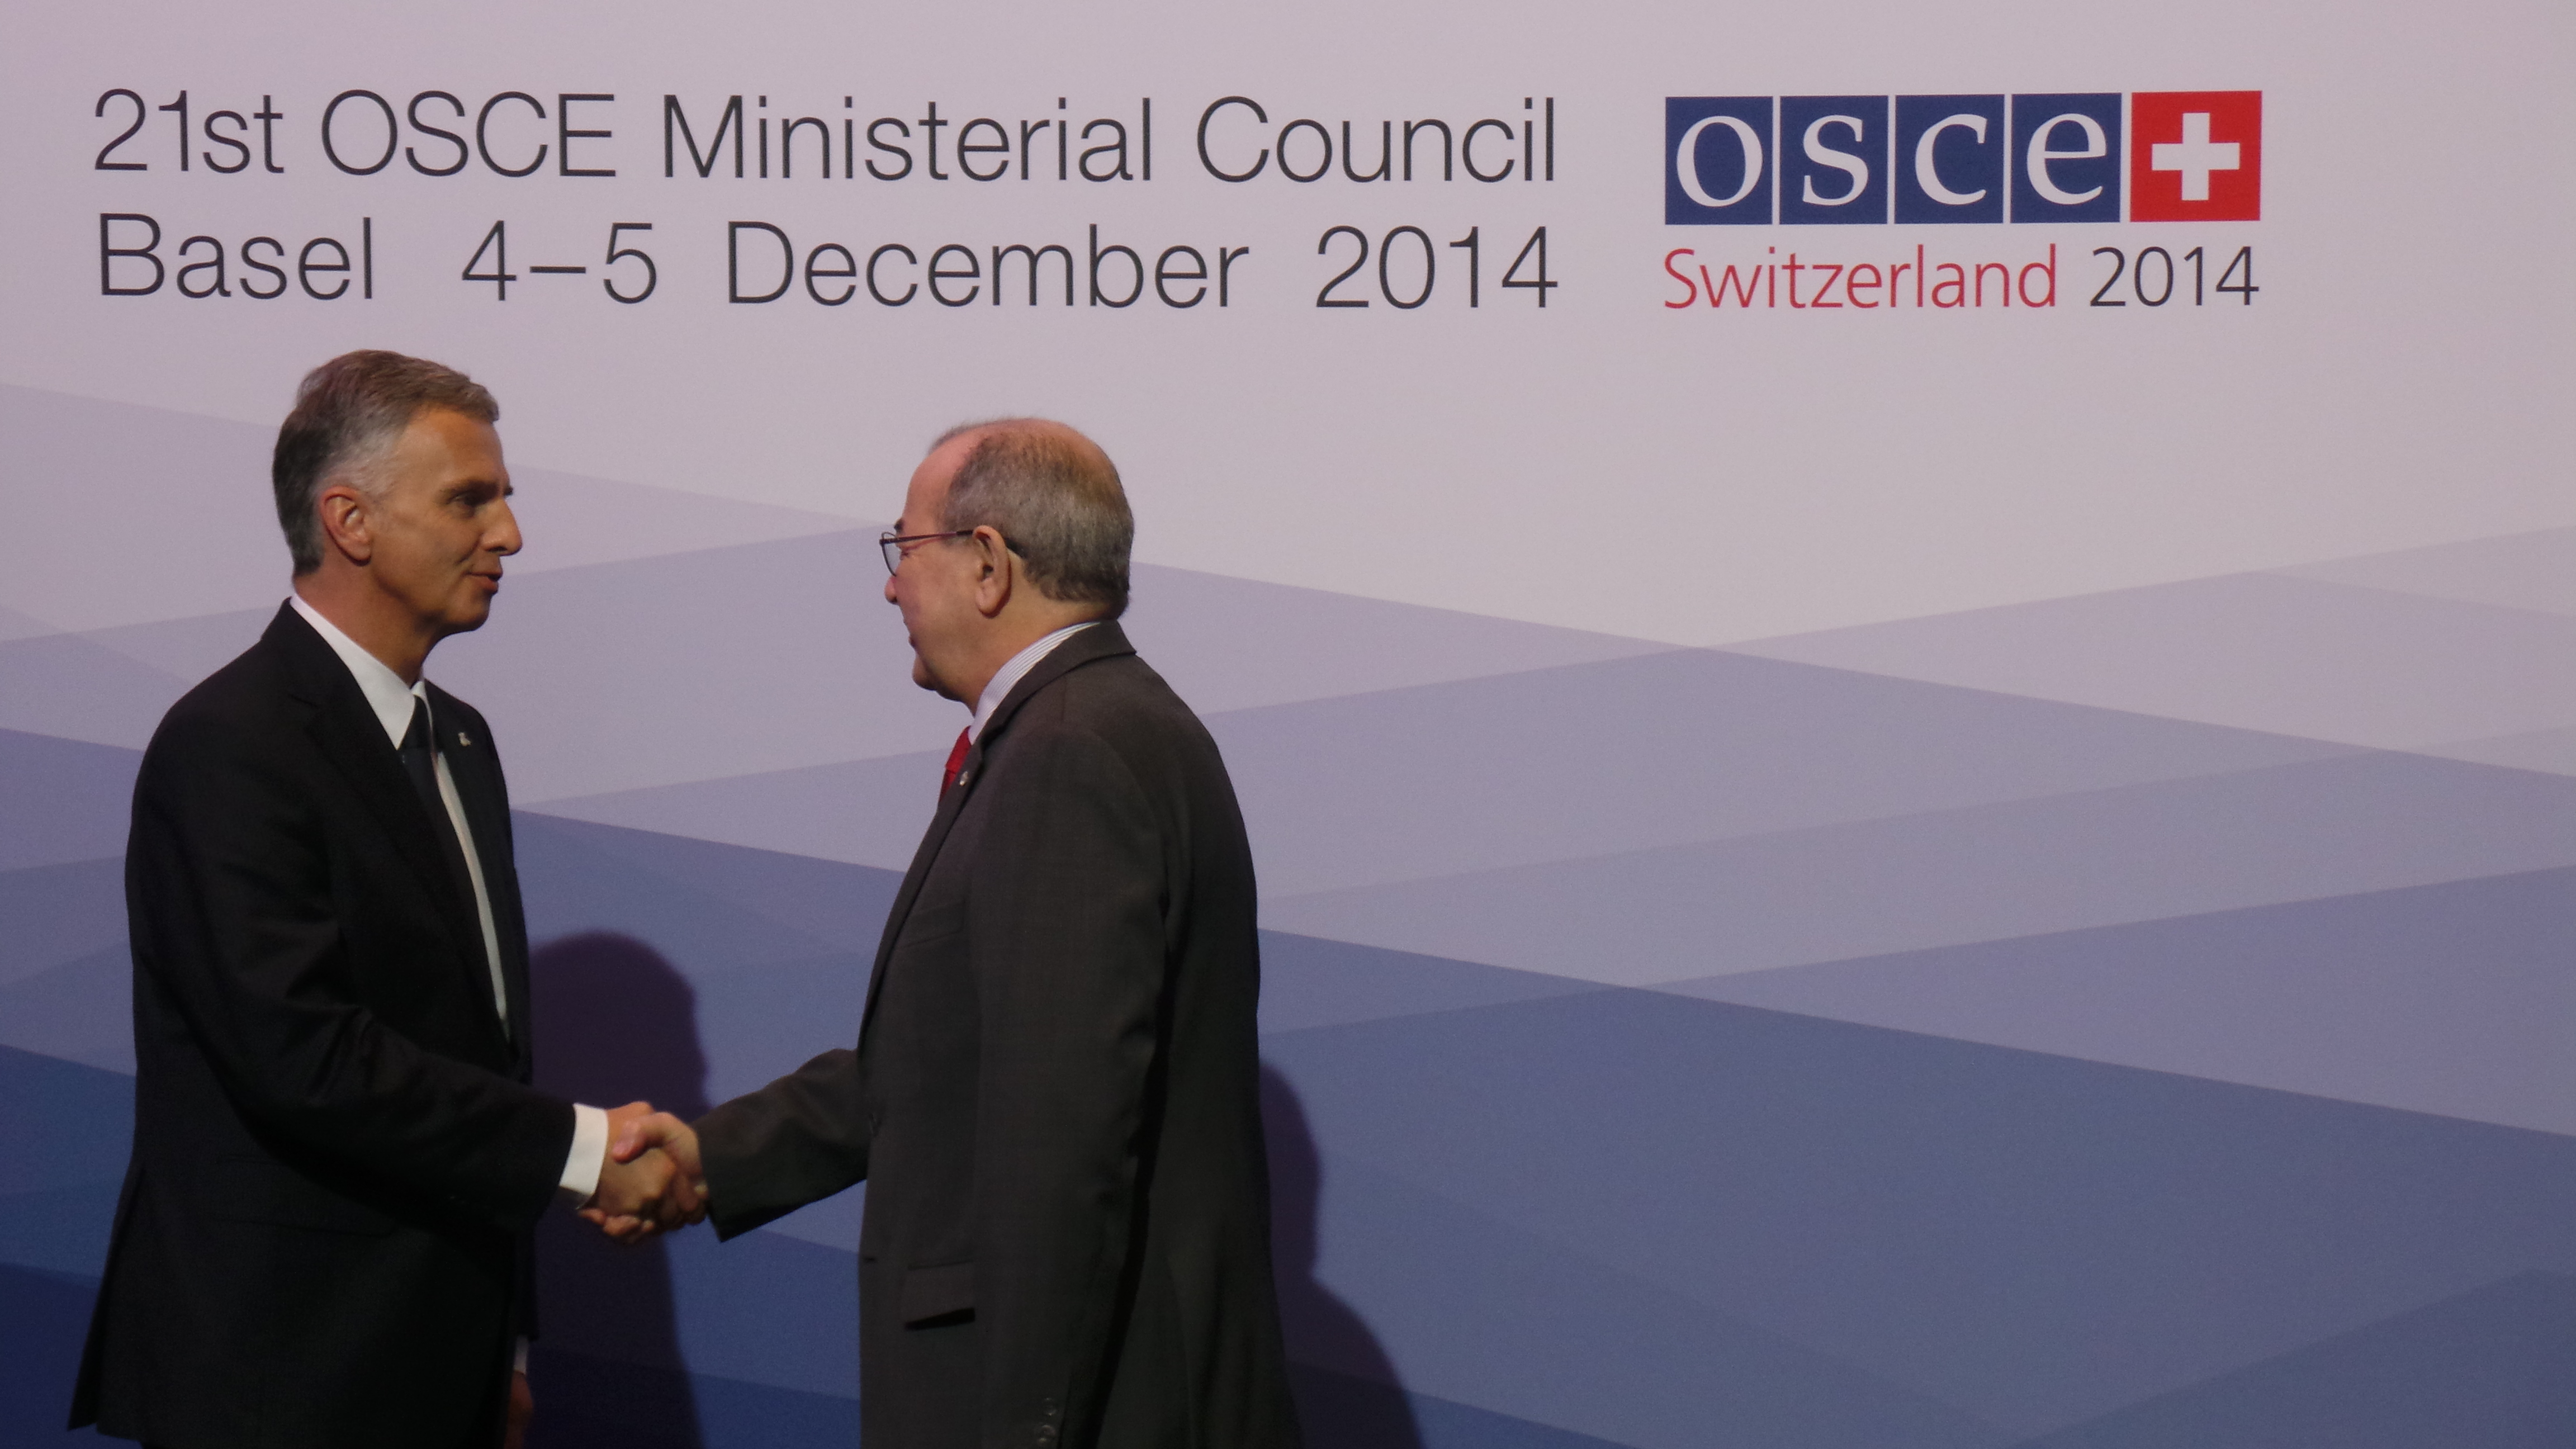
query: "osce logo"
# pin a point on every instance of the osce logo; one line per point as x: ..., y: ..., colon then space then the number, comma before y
x: 1826, y: 160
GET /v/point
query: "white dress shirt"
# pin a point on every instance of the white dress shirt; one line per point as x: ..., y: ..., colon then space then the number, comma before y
x: 1004, y: 679
x: 391, y: 699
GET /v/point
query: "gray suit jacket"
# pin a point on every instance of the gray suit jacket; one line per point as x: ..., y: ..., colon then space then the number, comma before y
x: 1054, y: 1096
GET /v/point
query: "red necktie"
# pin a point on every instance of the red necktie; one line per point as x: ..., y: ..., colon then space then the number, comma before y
x: 956, y: 764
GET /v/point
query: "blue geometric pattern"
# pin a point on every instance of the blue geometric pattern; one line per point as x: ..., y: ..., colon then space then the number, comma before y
x: 1913, y: 1037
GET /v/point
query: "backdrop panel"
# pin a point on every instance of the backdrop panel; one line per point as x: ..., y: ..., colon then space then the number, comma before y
x: 1902, y: 674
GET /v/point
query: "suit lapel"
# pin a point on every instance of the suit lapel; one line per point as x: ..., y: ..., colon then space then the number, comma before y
x: 479, y: 788
x: 950, y: 803
x: 352, y: 739
x: 1100, y: 641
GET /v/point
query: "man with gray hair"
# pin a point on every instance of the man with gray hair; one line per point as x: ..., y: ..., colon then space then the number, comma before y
x: 323, y: 1238
x: 1054, y: 1096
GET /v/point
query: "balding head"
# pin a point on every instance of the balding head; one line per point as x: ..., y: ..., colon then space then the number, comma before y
x: 1055, y: 496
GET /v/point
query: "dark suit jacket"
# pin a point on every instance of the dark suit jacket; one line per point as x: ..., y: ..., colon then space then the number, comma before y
x: 1054, y: 1097
x: 323, y: 1235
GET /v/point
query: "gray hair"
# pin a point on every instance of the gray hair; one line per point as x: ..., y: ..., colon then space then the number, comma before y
x: 348, y: 414
x: 1055, y: 499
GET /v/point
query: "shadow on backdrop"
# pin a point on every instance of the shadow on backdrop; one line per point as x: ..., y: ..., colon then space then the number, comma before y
x: 1347, y: 1394
x: 616, y: 1023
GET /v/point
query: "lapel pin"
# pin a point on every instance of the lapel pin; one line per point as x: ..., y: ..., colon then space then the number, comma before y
x: 464, y: 739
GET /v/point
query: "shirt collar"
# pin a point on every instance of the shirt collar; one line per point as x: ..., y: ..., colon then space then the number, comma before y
x: 386, y: 693
x: 1007, y: 678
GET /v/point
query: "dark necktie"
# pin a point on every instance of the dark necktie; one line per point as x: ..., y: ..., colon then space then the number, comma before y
x: 420, y: 762
x: 956, y: 764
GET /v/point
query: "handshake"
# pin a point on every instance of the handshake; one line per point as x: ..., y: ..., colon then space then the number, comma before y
x: 651, y: 1181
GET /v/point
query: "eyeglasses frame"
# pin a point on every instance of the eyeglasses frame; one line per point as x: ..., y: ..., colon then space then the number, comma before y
x: 891, y: 545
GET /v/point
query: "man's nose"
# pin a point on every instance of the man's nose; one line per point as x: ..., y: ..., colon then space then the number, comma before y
x: 504, y: 538
x: 889, y: 590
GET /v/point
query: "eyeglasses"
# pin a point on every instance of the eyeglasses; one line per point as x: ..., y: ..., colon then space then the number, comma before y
x: 892, y: 544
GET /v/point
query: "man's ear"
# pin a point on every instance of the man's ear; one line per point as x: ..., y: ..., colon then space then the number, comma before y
x: 996, y: 572
x: 348, y: 521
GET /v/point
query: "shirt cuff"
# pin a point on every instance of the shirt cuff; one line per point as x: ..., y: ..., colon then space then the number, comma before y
x: 589, y: 1154
x: 519, y: 1358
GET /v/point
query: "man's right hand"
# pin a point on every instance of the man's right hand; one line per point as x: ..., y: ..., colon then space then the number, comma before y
x: 658, y: 1154
x: 650, y: 1181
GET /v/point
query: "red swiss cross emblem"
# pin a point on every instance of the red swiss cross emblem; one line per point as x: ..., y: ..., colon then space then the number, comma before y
x: 2195, y: 155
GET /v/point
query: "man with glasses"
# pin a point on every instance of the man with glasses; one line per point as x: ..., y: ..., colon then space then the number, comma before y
x: 1054, y: 1094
